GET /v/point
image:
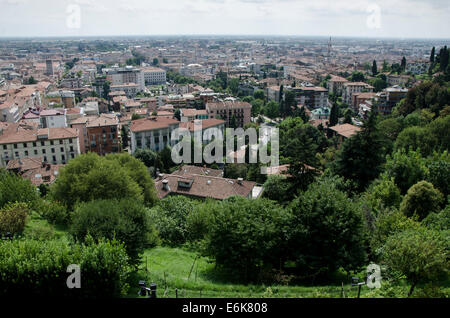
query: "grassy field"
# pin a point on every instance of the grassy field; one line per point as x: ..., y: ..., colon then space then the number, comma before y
x: 180, y: 272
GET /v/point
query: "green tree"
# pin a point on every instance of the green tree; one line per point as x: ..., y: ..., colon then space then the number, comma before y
x: 125, y: 220
x: 403, y: 64
x: 334, y: 115
x: 361, y: 157
x: 259, y: 94
x: 374, y: 68
x: 147, y: 156
x: 272, y: 110
x: 277, y: 188
x: 432, y: 54
x: 421, y: 199
x: 419, y: 254
x: 13, y: 217
x: 327, y: 230
x: 155, y: 62
x: 14, y: 188
x: 247, y: 236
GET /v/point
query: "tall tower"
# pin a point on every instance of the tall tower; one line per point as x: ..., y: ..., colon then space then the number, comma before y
x: 329, y: 49
x: 49, y: 67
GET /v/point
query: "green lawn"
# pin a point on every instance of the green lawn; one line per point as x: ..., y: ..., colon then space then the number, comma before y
x: 174, y: 269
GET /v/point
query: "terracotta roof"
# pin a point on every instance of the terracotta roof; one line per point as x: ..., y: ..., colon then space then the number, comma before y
x: 186, y: 169
x: 204, y: 186
x: 227, y: 105
x: 205, y: 123
x: 152, y: 123
x: 346, y: 130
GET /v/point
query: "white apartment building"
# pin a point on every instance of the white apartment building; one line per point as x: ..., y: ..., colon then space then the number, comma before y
x: 54, y: 145
x: 124, y: 75
x: 154, y: 76
x: 152, y: 133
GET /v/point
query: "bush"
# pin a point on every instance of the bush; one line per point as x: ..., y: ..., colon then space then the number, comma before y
x: 419, y: 254
x: 125, y: 220
x: 54, y: 212
x: 169, y: 217
x: 16, y: 189
x: 198, y: 221
x: 13, y: 218
x: 421, y: 199
x: 248, y: 236
x: 327, y: 230
x: 39, y: 268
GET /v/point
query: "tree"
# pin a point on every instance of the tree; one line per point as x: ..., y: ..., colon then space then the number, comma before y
x: 374, y: 68
x: 406, y: 167
x: 421, y: 199
x: 125, y: 220
x: 433, y: 50
x: 91, y: 177
x: 170, y: 216
x: 147, y: 156
x: 14, y: 188
x: 155, y: 62
x: 106, y: 90
x: 419, y: 254
x: 327, y: 230
x: 124, y: 137
x: 277, y: 188
x: 361, y: 157
x: 233, y: 85
x: 247, y: 236
x: 403, y: 64
x: 259, y: 94
x: 272, y: 110
x: 233, y: 123
x: 334, y: 115
x: 177, y: 115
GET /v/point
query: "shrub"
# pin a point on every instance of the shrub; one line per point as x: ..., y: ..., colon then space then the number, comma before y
x: 39, y: 268
x: 199, y: 220
x: 247, y: 236
x: 16, y: 189
x: 421, y: 199
x: 170, y: 216
x: 13, y: 218
x: 124, y: 220
x: 54, y: 212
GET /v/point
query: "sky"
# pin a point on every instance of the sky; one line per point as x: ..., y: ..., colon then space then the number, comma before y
x: 365, y: 18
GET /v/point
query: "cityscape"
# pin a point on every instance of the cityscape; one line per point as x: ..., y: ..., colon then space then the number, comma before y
x: 224, y: 166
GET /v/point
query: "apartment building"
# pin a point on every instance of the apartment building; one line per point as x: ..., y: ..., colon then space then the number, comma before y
x: 386, y: 100
x: 124, y: 75
x: 54, y: 145
x: 227, y: 110
x: 205, y: 129
x: 154, y: 76
x: 62, y: 97
x: 99, y: 134
x: 311, y: 96
x: 336, y: 85
x: 152, y: 133
x: 351, y: 88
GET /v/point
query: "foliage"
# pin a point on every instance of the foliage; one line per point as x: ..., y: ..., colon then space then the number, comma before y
x: 327, y: 230
x: 40, y: 268
x: 91, y: 177
x: 419, y: 254
x: 277, y: 188
x: 54, y: 212
x: 13, y: 217
x: 169, y: 218
x: 421, y: 199
x: 361, y: 157
x: 126, y: 220
x: 13, y: 188
x: 247, y: 235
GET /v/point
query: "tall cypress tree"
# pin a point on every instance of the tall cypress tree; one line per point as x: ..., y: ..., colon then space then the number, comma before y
x: 374, y: 68
x: 403, y: 65
x: 433, y: 52
x: 334, y: 115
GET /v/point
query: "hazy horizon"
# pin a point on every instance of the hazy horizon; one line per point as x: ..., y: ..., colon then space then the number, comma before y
x: 398, y: 19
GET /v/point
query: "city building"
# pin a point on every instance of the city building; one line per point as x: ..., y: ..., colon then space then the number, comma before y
x: 154, y: 76
x: 54, y: 145
x: 311, y: 97
x: 351, y: 88
x: 152, y: 133
x: 227, y: 110
x: 204, y: 129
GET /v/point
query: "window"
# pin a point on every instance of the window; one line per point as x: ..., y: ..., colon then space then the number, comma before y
x: 24, y: 144
x: 54, y: 158
x: 45, y: 158
x: 43, y: 151
x: 26, y: 153
x: 71, y: 148
x: 51, y: 142
x: 35, y: 151
x: 15, y: 146
x: 4, y: 147
x: 63, y: 158
x: 34, y: 144
x: 42, y: 143
x: 62, y: 149
x: 61, y: 142
x: 17, y: 154
x: 70, y: 141
x: 53, y: 150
